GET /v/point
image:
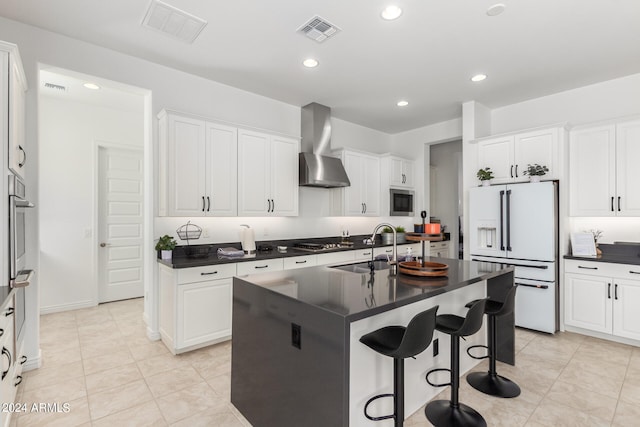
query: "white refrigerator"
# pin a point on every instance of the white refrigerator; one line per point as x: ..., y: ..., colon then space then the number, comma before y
x: 517, y: 225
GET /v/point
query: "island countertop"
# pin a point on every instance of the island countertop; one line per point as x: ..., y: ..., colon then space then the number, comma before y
x: 355, y: 296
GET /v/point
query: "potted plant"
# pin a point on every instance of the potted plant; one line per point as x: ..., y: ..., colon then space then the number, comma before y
x: 535, y: 171
x: 485, y: 175
x: 166, y: 244
x: 387, y: 235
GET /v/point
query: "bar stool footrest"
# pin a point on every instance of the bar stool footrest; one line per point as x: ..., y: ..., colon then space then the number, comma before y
x: 384, y: 417
x: 437, y: 370
x: 478, y: 357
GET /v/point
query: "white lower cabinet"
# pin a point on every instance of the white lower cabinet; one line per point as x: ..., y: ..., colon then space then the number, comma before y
x: 195, y: 306
x: 603, y: 297
x: 439, y: 249
x: 10, y: 362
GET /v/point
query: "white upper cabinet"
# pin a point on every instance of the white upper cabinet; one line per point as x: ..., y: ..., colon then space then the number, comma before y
x: 267, y: 174
x: 603, y: 170
x: 13, y: 87
x: 400, y: 171
x: 197, y: 167
x: 509, y: 155
x: 362, y: 198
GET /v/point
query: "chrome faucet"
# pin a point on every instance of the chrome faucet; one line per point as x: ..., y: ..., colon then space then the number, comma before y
x: 393, y: 263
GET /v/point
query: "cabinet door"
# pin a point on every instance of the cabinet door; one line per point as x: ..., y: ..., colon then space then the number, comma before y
x: 497, y: 154
x: 536, y: 147
x: 353, y: 198
x: 592, y: 166
x: 17, y: 88
x: 371, y: 186
x: 588, y: 302
x: 407, y: 168
x: 626, y: 316
x: 221, y: 170
x: 627, y: 201
x: 204, y: 312
x: 253, y: 173
x: 284, y: 176
x: 186, y: 163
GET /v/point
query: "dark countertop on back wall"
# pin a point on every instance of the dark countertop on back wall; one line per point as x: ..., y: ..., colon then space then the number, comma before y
x: 615, y: 253
x: 180, y: 260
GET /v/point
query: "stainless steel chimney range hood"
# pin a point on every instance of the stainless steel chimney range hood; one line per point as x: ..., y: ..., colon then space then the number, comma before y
x: 317, y: 168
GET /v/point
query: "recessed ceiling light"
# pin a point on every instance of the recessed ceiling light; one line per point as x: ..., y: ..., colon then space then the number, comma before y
x: 91, y: 86
x: 496, y: 9
x: 402, y: 103
x: 391, y: 12
x: 310, y: 63
x: 478, y: 77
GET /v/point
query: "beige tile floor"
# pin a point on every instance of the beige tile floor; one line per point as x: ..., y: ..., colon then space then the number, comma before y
x: 100, y: 362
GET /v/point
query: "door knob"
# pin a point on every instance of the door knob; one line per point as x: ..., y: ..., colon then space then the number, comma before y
x: 102, y: 245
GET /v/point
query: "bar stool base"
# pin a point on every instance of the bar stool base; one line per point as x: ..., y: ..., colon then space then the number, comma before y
x: 440, y: 413
x: 493, y: 385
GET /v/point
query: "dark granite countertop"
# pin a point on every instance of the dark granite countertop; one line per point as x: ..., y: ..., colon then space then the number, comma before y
x: 180, y: 260
x: 356, y: 296
x: 618, y: 253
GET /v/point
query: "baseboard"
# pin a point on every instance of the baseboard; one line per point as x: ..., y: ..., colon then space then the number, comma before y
x: 66, y: 307
x: 153, y: 335
x: 33, y: 362
x: 602, y: 336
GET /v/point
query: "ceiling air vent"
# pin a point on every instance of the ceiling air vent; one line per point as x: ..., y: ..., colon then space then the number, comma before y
x: 318, y: 29
x: 55, y: 87
x: 173, y: 21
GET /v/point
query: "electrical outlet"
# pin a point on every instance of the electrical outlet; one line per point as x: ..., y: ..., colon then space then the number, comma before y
x: 205, y: 233
x: 436, y: 347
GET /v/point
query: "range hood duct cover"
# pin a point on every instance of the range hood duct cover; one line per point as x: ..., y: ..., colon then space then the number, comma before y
x: 317, y: 168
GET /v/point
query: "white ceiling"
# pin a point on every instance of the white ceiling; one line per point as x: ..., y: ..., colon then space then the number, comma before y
x: 427, y: 56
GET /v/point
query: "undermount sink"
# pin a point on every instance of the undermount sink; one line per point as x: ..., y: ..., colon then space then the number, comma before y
x: 363, y: 267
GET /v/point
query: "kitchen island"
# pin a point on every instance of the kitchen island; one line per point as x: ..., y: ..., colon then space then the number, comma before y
x: 296, y: 356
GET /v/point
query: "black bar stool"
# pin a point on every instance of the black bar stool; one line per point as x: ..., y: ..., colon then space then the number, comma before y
x: 400, y: 342
x: 451, y: 412
x: 490, y: 382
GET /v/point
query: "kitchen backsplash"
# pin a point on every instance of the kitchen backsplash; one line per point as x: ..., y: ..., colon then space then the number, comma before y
x: 616, y: 229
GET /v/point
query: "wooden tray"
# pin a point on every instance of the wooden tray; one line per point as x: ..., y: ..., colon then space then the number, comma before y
x: 428, y: 269
x: 419, y: 237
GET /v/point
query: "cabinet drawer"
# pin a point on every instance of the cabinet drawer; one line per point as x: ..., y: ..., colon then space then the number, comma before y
x: 209, y: 272
x: 300, y: 262
x: 365, y: 253
x: 253, y: 267
x: 439, y: 245
x: 336, y: 257
x: 594, y: 268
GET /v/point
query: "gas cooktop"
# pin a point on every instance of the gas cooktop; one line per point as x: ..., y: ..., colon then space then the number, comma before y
x: 319, y: 247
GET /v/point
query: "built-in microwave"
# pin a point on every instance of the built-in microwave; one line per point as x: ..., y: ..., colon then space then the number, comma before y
x: 401, y: 202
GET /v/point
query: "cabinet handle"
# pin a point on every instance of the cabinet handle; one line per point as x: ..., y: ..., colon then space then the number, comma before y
x: 17, y: 383
x: 268, y: 205
x: 202, y: 203
x: 389, y: 251
x: 208, y: 204
x: 366, y: 253
x: 511, y: 171
x: 516, y: 171
x: 630, y: 271
x: 209, y: 274
x: 9, y: 312
x: 611, y: 203
x: 261, y: 266
x: 619, y: 197
x: 273, y: 205
x: 301, y: 262
x: 365, y: 208
x: 608, y: 290
x: 24, y: 156
x: 615, y: 291
x: 588, y: 268
x: 23, y: 360
x: 361, y: 207
x: 1, y: 332
x: 6, y: 353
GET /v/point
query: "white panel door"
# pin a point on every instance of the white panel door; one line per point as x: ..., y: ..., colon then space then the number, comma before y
x: 253, y: 173
x: 187, y: 163
x: 486, y: 226
x: 535, y: 147
x: 627, y: 202
x: 530, y: 224
x: 371, y: 186
x: 588, y: 302
x: 497, y: 154
x: 626, y: 309
x: 221, y: 172
x: 120, y: 270
x: 284, y: 176
x: 592, y: 165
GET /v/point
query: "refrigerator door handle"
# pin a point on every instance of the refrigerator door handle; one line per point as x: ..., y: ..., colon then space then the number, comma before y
x: 508, y: 214
x: 501, y: 220
x: 532, y: 286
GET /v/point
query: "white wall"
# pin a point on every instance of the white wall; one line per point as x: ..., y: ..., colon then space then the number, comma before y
x: 69, y: 132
